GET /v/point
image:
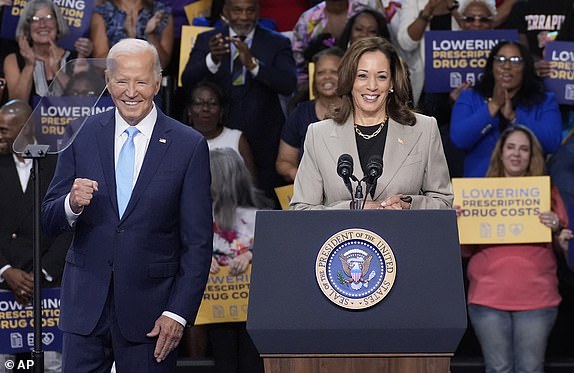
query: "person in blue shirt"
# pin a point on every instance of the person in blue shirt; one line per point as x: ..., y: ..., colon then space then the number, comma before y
x: 509, y: 92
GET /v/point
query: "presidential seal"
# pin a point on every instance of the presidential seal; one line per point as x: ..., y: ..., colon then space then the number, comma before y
x: 355, y: 268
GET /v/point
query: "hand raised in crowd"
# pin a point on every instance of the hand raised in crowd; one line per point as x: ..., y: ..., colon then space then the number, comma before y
x: 431, y: 6
x: 153, y: 23
x: 243, y: 49
x: 26, y: 50
x: 168, y: 333
x: 84, y: 47
x: 543, y: 68
x: 21, y: 283
x: 218, y: 47
x: 501, y: 101
x: 215, y: 267
x: 52, y: 63
x: 437, y: 7
x: 82, y: 193
x: 239, y: 263
x: 131, y: 22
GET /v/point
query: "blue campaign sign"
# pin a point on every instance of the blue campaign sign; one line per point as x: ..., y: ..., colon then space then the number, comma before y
x: 455, y: 57
x: 76, y: 13
x: 52, y: 116
x: 17, y: 323
x: 561, y: 80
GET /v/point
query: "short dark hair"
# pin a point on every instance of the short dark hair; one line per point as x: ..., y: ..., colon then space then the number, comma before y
x: 397, y: 102
x: 212, y: 86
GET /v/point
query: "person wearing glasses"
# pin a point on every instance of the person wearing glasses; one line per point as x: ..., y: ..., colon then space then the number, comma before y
x: 475, y: 15
x: 508, y: 93
x: 31, y: 70
x: 205, y: 110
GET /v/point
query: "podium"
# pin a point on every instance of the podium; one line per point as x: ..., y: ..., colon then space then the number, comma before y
x: 415, y: 328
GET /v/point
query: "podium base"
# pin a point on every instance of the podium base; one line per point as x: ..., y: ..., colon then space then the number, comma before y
x: 358, y: 364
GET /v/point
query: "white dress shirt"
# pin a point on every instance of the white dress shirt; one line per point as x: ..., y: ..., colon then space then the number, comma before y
x: 214, y: 67
x: 141, y: 142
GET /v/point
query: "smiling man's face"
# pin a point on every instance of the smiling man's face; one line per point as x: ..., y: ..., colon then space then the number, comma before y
x: 133, y: 83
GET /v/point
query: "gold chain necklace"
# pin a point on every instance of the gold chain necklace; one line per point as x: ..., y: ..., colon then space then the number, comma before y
x: 368, y: 137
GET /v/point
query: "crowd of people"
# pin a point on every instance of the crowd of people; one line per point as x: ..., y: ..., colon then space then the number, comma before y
x: 277, y: 101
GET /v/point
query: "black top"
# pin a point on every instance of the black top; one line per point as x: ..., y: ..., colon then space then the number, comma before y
x: 371, y: 147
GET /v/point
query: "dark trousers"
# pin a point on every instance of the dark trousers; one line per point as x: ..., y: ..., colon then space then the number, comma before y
x: 96, y: 352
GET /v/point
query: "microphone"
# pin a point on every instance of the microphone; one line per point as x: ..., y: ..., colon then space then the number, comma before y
x: 374, y: 171
x: 345, y: 170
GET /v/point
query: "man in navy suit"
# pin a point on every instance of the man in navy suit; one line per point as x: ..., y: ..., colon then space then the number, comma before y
x: 136, y: 270
x: 266, y: 69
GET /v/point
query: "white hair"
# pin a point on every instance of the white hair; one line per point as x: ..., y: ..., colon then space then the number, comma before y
x: 132, y: 46
x: 490, y: 4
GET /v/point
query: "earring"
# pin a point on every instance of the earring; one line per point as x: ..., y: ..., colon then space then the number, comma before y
x: 391, y: 90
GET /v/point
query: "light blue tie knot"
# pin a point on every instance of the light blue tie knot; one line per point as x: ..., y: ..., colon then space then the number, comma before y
x: 125, y: 170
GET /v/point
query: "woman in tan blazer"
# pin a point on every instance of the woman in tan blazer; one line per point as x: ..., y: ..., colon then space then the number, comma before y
x: 374, y: 120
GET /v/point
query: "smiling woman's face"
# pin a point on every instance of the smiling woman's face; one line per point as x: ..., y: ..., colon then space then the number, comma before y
x: 507, y: 73
x: 326, y: 77
x: 43, y: 26
x: 516, y: 153
x: 372, y: 84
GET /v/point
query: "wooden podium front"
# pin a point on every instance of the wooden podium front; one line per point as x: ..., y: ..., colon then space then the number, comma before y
x: 357, y: 364
x: 415, y: 328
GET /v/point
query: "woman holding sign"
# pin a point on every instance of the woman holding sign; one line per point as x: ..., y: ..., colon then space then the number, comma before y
x: 508, y: 92
x: 513, y: 288
x: 235, y: 201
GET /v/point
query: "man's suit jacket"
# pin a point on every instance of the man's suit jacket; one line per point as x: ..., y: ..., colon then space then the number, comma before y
x: 159, y: 252
x: 17, y: 222
x: 254, y: 108
x: 413, y: 164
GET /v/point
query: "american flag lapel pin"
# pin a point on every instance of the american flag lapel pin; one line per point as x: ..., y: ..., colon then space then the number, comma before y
x: 162, y: 140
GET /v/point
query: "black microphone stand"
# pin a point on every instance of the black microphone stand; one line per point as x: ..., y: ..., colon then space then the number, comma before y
x: 36, y: 152
x: 358, y: 201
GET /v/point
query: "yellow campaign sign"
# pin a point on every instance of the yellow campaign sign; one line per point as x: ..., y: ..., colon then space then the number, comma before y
x: 311, y: 71
x: 199, y: 8
x: 188, y: 38
x: 225, y: 298
x: 284, y: 195
x: 502, y: 210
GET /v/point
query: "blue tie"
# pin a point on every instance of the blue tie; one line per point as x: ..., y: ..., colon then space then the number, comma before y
x: 125, y: 170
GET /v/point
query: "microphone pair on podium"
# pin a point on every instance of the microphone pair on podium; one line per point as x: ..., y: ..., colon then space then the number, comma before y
x: 374, y: 171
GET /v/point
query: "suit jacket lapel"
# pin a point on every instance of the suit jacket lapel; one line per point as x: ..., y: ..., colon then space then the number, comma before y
x: 343, y: 137
x: 153, y: 157
x: 400, y: 142
x: 105, y: 139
